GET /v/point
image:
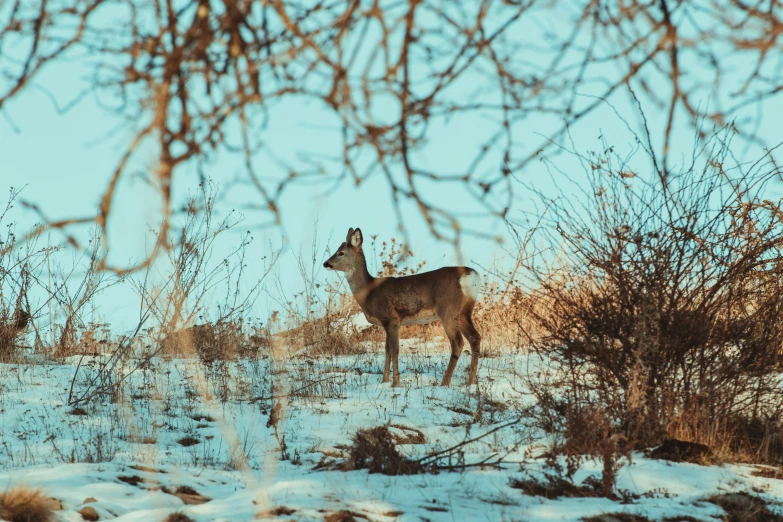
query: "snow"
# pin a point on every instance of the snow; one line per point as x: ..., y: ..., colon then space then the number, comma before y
x: 245, y: 471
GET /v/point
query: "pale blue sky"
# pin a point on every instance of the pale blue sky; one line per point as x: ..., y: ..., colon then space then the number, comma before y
x: 64, y: 161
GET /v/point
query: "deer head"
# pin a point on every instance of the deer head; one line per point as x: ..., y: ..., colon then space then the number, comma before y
x: 349, y: 255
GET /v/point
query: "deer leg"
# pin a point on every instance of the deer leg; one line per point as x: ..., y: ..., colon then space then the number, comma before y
x: 468, y: 329
x: 456, y: 341
x: 393, y: 352
x: 387, y: 359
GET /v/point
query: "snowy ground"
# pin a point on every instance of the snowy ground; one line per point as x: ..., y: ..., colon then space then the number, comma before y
x: 175, y: 424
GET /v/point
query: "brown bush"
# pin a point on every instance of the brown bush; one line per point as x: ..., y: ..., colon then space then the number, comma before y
x: 344, y: 516
x: 22, y: 504
x: 552, y: 487
x: 197, y: 340
x: 374, y: 449
x: 210, y: 343
x: 743, y: 507
x: 9, y: 331
x: 665, y: 306
x: 177, y: 517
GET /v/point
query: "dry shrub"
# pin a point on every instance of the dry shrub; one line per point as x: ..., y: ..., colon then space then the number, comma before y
x: 318, y: 319
x: 768, y: 472
x: 631, y: 517
x: 582, y: 430
x: 374, y: 449
x: 23, y: 504
x: 210, y: 343
x: 503, y: 318
x: 10, y: 330
x: 664, y: 305
x: 188, y: 495
x: 16, y: 279
x: 552, y: 487
x: 193, y: 277
x: 191, y: 341
x: 743, y: 507
x: 330, y: 335
x: 618, y: 517
x: 344, y: 516
x: 177, y: 516
x: 409, y: 435
x: 133, y: 480
x: 589, y: 432
x: 188, y: 441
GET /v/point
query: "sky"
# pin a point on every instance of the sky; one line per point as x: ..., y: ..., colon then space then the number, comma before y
x: 63, y: 161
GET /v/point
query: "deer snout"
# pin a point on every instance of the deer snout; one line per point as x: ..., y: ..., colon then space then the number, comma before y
x: 327, y: 265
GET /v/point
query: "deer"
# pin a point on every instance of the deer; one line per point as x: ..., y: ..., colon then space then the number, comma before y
x: 448, y: 294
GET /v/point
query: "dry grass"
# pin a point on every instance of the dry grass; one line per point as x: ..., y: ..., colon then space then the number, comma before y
x: 553, y: 487
x: 743, y: 507
x: 344, y: 516
x: 619, y: 517
x: 177, y: 517
x: 278, y: 511
x: 10, y: 331
x: 631, y: 517
x: 374, y: 449
x: 333, y: 334
x: 23, y: 504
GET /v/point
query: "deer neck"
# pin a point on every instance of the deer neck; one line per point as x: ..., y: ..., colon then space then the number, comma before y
x: 360, y: 281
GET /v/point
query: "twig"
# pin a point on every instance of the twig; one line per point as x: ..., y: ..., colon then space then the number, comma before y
x: 308, y: 385
x: 465, y: 443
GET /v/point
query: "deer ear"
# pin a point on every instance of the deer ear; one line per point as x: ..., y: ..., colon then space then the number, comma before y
x: 356, y: 238
x: 348, y: 237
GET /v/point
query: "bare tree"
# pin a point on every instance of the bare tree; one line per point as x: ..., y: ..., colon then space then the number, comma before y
x: 196, y: 78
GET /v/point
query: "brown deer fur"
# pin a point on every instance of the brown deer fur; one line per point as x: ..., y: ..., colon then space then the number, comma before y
x: 447, y: 294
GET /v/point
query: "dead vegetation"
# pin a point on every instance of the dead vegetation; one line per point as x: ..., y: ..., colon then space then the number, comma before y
x: 631, y: 517
x: 744, y: 507
x: 659, y: 328
x: 656, y: 306
x: 177, y: 516
x: 375, y: 450
x: 768, y: 472
x: 10, y: 331
x: 552, y: 487
x: 344, y: 515
x: 278, y: 511
x: 659, y: 317
x: 23, y: 504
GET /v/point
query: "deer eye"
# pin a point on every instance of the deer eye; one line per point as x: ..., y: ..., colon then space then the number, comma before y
x: 340, y: 253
